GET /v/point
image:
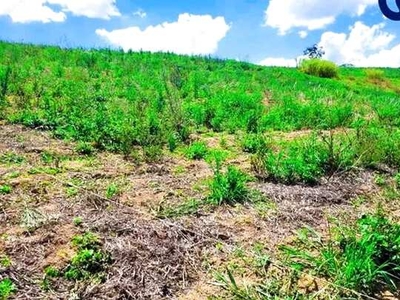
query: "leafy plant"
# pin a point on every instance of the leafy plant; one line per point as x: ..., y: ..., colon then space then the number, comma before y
x: 7, y: 288
x: 5, y: 189
x: 196, y: 150
x: 320, y: 68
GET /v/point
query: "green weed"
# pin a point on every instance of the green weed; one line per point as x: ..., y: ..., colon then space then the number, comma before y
x: 359, y: 258
x: 196, y: 150
x: 5, y: 189
x: 7, y: 288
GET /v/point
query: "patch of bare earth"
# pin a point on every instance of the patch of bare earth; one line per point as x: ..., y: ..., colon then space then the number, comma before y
x: 152, y: 258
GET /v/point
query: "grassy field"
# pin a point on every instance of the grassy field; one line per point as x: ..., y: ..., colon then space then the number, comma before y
x: 158, y: 176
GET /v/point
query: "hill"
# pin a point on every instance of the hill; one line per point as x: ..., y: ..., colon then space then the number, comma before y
x: 148, y: 175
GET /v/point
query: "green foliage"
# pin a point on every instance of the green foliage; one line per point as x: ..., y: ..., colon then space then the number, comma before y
x: 304, y: 160
x: 7, y: 288
x: 112, y: 190
x: 90, y: 260
x: 375, y: 74
x: 320, y: 68
x: 84, y: 148
x: 359, y: 258
x: 196, y: 150
x: 51, y: 271
x: 5, y: 261
x: 11, y: 158
x: 5, y: 189
x: 77, y: 221
x: 254, y: 143
x: 228, y: 187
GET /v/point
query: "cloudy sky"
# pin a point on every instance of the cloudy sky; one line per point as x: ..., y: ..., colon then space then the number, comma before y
x: 270, y: 32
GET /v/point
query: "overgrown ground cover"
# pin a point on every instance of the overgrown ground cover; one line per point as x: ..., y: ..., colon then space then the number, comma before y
x: 146, y: 176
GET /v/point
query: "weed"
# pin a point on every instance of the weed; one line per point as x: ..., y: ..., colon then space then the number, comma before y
x: 112, y: 190
x: 7, y: 288
x: 375, y: 74
x: 11, y: 158
x: 188, y: 207
x: 196, y: 150
x: 77, y: 221
x: 5, y: 261
x: 254, y: 143
x: 229, y: 187
x: 358, y: 258
x: 84, y: 148
x: 5, y: 189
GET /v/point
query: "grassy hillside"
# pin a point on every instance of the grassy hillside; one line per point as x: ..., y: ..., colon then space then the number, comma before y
x: 146, y: 176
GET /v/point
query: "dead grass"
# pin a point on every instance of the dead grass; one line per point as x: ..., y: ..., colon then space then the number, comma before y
x: 152, y: 258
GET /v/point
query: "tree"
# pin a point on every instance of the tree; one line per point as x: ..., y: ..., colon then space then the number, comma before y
x: 314, y: 51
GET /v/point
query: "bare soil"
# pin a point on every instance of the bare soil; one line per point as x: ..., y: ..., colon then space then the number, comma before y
x: 151, y: 258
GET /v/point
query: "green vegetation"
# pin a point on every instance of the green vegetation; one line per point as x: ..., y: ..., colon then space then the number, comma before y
x: 5, y: 189
x: 320, y: 68
x: 89, y: 262
x: 7, y: 288
x: 357, y: 260
x: 117, y: 101
x: 196, y: 150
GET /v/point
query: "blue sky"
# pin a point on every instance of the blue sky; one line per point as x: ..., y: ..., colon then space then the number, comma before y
x: 270, y: 32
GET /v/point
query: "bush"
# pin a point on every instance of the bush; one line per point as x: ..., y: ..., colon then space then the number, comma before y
x: 375, y: 74
x: 320, y: 68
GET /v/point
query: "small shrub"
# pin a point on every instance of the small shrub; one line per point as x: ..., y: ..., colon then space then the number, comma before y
x: 7, y: 288
x: 320, y: 68
x: 375, y: 74
x: 197, y: 150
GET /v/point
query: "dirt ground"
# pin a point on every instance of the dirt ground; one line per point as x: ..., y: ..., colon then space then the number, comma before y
x: 152, y: 258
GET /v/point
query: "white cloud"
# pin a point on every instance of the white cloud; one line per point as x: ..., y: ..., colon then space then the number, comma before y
x: 102, y: 9
x: 303, y: 34
x: 140, y: 13
x: 190, y: 34
x: 25, y: 11
x: 278, y: 62
x: 363, y: 46
x: 310, y: 14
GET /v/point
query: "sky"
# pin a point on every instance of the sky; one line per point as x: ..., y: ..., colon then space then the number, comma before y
x: 266, y: 32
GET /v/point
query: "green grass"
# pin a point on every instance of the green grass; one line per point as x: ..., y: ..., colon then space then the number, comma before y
x: 363, y: 258
x: 86, y: 96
